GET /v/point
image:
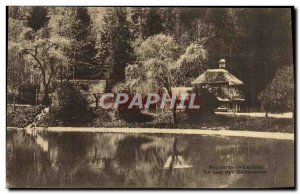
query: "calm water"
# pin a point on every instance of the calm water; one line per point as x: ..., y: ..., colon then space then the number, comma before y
x: 51, y: 159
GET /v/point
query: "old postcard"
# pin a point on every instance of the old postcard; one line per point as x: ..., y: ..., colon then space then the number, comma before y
x: 150, y: 97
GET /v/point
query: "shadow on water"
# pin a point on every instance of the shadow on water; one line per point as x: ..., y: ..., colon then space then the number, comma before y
x: 50, y: 159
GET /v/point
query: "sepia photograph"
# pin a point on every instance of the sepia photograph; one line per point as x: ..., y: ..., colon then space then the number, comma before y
x: 150, y: 97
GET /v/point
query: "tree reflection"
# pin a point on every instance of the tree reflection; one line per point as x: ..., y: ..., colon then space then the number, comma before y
x: 120, y: 160
x: 128, y: 150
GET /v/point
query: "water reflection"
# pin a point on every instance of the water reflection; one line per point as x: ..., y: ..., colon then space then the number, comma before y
x: 48, y: 159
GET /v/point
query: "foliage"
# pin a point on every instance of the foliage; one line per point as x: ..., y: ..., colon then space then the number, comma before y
x: 156, y: 56
x: 19, y: 12
x: 193, y: 62
x: 102, y: 118
x: 120, y: 88
x: 134, y: 117
x: 21, y: 116
x: 160, y: 46
x: 97, y: 90
x: 146, y: 22
x: 255, y: 42
x: 44, y: 54
x: 27, y: 94
x: 37, y: 18
x: 279, y: 94
x: 75, y: 25
x: 164, y: 119
x: 115, y: 49
x: 153, y: 23
x: 70, y: 106
x: 159, y: 68
x: 208, y: 101
x: 17, y: 72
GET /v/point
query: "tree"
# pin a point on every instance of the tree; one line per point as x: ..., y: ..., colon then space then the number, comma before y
x: 16, y: 68
x: 19, y: 12
x: 14, y: 72
x: 45, y: 54
x: 153, y: 23
x: 147, y: 22
x: 97, y: 90
x: 157, y: 67
x: 38, y: 18
x: 193, y: 62
x: 116, y: 49
x: 70, y: 105
x: 192, y: 25
x: 75, y: 25
x: 264, y: 46
x: 137, y: 22
x: 225, y: 35
x: 157, y: 57
x: 169, y: 20
x: 84, y: 45
x: 278, y: 96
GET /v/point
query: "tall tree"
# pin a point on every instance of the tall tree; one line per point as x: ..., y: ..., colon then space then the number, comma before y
x: 75, y: 25
x: 16, y: 70
x: 45, y: 54
x: 137, y: 22
x: 265, y: 46
x: 38, y: 18
x: 116, y: 51
x: 225, y: 34
x: 158, y: 67
x: 84, y: 45
x: 192, y: 63
x: 19, y: 12
x: 147, y: 22
x: 153, y: 23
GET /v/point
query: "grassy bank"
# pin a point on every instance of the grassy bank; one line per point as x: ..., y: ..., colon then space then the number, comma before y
x: 214, y: 122
x: 161, y: 119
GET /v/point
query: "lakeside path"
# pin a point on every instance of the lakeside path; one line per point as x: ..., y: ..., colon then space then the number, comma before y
x: 287, y: 115
x: 254, y: 134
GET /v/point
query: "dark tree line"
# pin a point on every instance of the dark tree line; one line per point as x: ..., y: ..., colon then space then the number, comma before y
x: 256, y: 42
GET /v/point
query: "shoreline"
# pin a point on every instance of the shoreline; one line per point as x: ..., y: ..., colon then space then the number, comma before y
x: 225, y: 133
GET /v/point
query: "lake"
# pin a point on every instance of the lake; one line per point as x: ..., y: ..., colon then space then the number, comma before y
x: 119, y: 160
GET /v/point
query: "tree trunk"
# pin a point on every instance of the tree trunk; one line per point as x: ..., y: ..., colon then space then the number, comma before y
x: 14, y: 103
x: 175, y: 115
x: 267, y: 114
x: 46, y: 99
x: 174, y: 108
x: 97, y: 101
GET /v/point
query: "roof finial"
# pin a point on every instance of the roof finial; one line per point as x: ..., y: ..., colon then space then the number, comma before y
x: 222, y: 64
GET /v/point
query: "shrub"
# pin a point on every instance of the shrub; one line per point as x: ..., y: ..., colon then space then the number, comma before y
x: 207, y: 100
x: 278, y: 96
x: 70, y: 108
x: 132, y: 116
x: 102, y: 118
x: 22, y: 116
x: 27, y: 94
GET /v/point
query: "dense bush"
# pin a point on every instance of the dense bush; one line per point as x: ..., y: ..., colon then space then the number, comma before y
x: 21, y: 116
x: 70, y: 108
x: 131, y: 116
x: 278, y: 96
x: 27, y: 94
x: 207, y: 100
x: 102, y: 118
